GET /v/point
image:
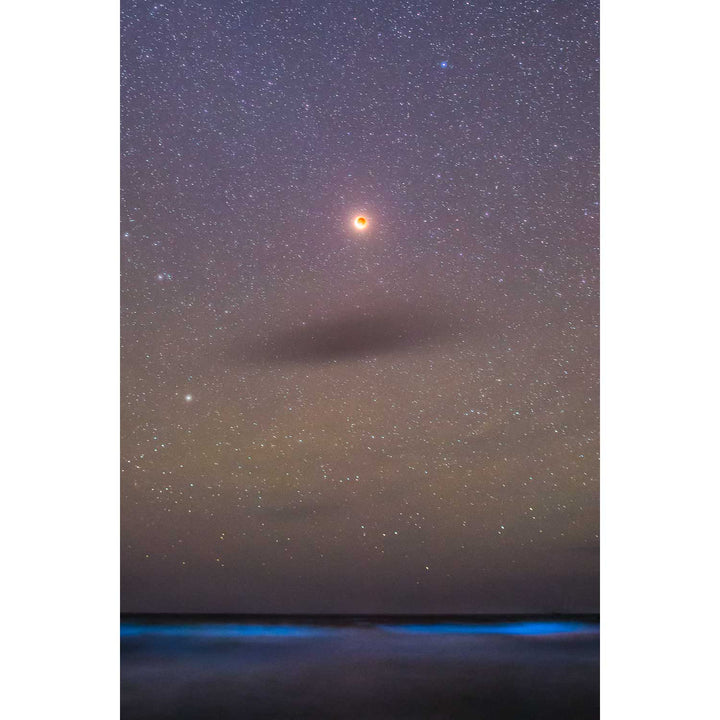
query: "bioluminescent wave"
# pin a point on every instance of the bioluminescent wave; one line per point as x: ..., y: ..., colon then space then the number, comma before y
x: 511, y: 628
x: 238, y: 630
x: 221, y: 631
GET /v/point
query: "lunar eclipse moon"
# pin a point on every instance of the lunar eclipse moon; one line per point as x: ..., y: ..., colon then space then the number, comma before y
x: 360, y: 222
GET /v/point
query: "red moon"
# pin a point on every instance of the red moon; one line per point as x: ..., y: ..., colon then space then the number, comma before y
x: 360, y: 222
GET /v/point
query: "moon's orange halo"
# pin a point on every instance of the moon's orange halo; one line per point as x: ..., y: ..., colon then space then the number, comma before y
x: 360, y: 222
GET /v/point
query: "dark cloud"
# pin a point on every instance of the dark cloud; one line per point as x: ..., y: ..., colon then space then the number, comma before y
x: 351, y: 336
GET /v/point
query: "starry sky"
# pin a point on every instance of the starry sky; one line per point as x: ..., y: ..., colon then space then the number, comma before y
x: 317, y: 418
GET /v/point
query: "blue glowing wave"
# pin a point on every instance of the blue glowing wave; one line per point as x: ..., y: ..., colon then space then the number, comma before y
x: 220, y: 631
x: 537, y: 627
x: 239, y: 630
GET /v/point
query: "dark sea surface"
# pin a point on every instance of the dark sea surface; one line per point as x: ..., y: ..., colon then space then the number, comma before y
x: 409, y: 668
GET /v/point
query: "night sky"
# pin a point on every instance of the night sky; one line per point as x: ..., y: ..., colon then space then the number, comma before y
x: 320, y: 418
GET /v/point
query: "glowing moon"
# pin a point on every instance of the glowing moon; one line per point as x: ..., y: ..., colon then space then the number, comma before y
x: 360, y: 222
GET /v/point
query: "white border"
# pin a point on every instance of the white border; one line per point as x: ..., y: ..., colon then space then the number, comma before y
x: 60, y: 289
x: 60, y: 300
x: 658, y: 363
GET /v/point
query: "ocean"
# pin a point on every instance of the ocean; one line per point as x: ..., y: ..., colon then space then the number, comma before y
x: 364, y: 668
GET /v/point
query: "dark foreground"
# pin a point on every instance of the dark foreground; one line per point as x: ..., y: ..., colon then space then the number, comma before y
x: 362, y: 668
